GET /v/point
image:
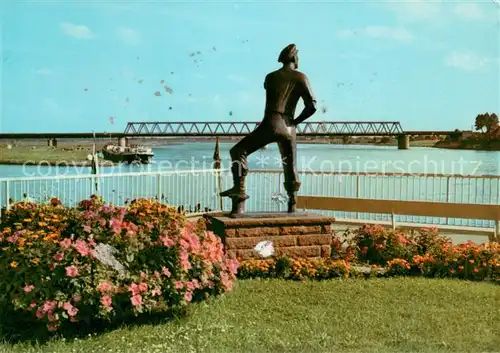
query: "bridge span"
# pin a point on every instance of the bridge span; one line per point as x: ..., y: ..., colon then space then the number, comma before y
x: 232, y: 129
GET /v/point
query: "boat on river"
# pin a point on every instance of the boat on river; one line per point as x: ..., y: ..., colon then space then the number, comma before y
x: 128, y: 154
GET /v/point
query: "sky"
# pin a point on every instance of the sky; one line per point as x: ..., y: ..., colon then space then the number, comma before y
x: 79, y: 66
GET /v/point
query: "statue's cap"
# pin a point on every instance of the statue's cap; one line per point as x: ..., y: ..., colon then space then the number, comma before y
x: 288, y: 54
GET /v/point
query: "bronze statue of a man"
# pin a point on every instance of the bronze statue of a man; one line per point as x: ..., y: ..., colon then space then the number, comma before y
x: 283, y: 88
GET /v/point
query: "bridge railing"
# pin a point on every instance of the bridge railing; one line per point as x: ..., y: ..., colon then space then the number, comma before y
x: 198, y: 190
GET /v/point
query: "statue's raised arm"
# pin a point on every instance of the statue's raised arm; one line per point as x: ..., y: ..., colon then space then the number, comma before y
x: 308, y: 98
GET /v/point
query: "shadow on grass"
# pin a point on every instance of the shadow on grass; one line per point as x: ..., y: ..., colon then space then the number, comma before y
x: 16, y: 327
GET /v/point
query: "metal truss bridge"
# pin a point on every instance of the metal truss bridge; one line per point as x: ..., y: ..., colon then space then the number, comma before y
x: 338, y: 128
x: 212, y: 129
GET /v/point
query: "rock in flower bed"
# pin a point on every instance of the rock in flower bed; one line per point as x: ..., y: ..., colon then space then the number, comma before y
x: 376, y: 251
x: 63, y: 265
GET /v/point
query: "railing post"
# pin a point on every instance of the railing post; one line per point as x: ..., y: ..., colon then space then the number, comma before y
x: 92, y: 184
x: 393, y: 220
x: 358, y: 187
x: 7, y: 198
x: 447, y: 193
x: 158, y: 187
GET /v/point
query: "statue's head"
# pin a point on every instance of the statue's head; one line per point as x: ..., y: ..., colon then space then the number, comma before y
x: 289, y: 55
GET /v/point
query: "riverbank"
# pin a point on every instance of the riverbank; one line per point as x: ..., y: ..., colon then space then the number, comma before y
x: 65, y: 154
x: 475, y: 145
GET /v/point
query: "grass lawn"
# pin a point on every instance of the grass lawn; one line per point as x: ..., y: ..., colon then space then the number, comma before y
x: 376, y: 315
x: 21, y: 154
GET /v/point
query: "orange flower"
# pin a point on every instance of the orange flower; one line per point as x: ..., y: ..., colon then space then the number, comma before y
x: 36, y: 261
x: 13, y: 264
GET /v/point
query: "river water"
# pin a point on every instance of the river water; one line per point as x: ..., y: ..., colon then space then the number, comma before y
x: 310, y: 157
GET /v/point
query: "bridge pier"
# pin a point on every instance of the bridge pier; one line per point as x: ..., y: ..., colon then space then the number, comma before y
x: 52, y: 142
x: 403, y: 142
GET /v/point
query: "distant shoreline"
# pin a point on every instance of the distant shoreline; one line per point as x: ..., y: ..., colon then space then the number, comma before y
x: 470, y: 145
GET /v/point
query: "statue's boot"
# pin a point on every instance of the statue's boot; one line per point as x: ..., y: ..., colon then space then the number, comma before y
x: 237, y: 192
x: 292, y: 195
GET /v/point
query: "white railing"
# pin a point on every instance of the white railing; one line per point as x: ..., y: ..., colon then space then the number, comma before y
x: 198, y: 190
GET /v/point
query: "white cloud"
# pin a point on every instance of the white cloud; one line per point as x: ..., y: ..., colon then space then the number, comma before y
x: 468, y: 11
x: 415, y: 11
x: 467, y: 61
x: 77, y: 31
x: 129, y: 36
x: 44, y: 71
x: 393, y: 33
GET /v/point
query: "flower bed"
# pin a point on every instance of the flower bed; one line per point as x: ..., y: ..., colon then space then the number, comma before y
x: 374, y: 250
x: 102, y: 262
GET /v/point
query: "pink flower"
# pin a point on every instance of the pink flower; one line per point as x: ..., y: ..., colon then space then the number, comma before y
x: 166, y: 271
x: 51, y: 327
x: 184, y: 244
x: 106, y: 301
x: 143, y: 287
x: 51, y: 317
x: 179, y: 285
x: 92, y: 242
x: 102, y: 222
x: 136, y: 300
x: 71, y: 271
x: 70, y: 309
x: 116, y: 225
x: 131, y: 229
x: 87, y: 229
x: 185, y: 264
x: 134, y: 288
x: 166, y: 241
x: 156, y: 292
x: 156, y: 274
x: 143, y: 275
x: 82, y: 248
x: 192, y: 285
x: 12, y: 238
x: 226, y: 282
x: 49, y: 306
x: 188, y: 296
x: 105, y: 287
x: 65, y: 244
x: 40, y: 313
x: 59, y: 257
x: 28, y: 288
x: 32, y: 305
x: 232, y: 266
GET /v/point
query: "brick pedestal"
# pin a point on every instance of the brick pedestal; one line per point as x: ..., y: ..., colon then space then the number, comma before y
x: 297, y: 235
